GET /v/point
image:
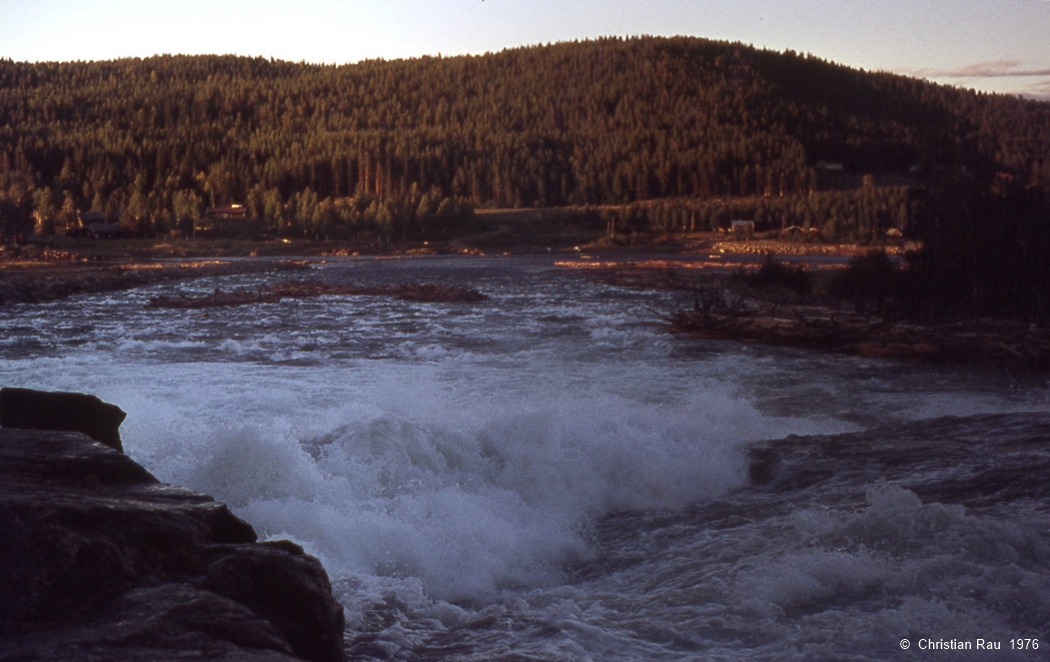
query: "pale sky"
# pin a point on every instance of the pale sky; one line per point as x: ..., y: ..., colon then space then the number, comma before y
x: 993, y: 45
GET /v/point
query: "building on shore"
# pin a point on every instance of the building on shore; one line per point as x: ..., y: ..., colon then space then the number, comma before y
x: 745, y: 229
x: 98, y: 225
x: 222, y: 221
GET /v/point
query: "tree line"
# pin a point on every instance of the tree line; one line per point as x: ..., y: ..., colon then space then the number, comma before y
x: 408, y: 148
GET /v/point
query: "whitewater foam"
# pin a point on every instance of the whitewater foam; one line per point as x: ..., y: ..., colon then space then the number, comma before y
x: 405, y: 478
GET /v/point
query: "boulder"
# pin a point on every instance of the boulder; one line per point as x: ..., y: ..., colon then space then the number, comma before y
x: 75, y: 412
x: 100, y: 561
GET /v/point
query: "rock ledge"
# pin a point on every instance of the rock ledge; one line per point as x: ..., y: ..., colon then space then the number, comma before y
x: 101, y: 561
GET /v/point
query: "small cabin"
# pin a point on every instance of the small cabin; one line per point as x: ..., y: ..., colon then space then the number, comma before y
x: 97, y: 225
x: 742, y: 228
x: 105, y: 231
x: 231, y: 213
x: 222, y: 221
x: 86, y: 218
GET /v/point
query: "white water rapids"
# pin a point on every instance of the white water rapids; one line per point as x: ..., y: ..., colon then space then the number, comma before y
x: 549, y: 474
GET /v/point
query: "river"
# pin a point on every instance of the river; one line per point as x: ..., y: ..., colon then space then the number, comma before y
x: 549, y: 474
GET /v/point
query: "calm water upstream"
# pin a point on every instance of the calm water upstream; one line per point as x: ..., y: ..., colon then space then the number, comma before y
x: 549, y: 475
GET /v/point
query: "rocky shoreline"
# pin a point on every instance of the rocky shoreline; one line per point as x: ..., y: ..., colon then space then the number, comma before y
x: 726, y: 310
x: 101, y: 561
x: 835, y: 329
x: 415, y: 292
x: 722, y: 312
x: 44, y: 282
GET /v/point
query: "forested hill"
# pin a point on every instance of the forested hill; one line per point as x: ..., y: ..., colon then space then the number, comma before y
x: 598, y: 122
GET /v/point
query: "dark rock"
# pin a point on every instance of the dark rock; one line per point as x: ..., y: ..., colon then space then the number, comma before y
x: 287, y: 588
x: 167, y: 622
x: 73, y: 412
x: 100, y: 561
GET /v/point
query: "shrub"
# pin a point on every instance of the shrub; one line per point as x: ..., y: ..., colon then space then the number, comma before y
x: 777, y: 274
x: 872, y: 275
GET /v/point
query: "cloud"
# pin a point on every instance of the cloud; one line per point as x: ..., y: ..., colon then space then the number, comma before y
x: 989, y: 69
x: 1039, y: 92
x: 1016, y: 76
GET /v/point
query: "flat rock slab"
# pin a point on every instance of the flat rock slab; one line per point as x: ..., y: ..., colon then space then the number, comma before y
x: 101, y: 561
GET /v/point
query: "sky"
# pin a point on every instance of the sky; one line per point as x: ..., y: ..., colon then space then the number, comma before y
x: 990, y: 45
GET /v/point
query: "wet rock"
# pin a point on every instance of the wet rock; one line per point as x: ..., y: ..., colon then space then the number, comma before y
x: 73, y: 412
x: 32, y: 285
x: 100, y: 561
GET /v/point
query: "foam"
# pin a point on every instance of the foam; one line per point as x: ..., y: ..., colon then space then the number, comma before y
x: 904, y: 567
x: 459, y: 473
x: 409, y: 472
x: 146, y: 346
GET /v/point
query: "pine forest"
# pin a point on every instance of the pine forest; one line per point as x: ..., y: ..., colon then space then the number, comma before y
x: 678, y: 134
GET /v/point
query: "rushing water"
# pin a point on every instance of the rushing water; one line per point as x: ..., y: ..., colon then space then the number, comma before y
x: 550, y: 475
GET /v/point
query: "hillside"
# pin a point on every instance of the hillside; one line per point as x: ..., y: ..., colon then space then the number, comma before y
x: 407, y: 148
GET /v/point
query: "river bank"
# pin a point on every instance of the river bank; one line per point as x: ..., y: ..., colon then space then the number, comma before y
x: 48, y: 278
x: 724, y: 308
x: 67, y: 267
x: 728, y: 305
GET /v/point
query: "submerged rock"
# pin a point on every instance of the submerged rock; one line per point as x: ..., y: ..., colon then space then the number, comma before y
x: 100, y: 561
